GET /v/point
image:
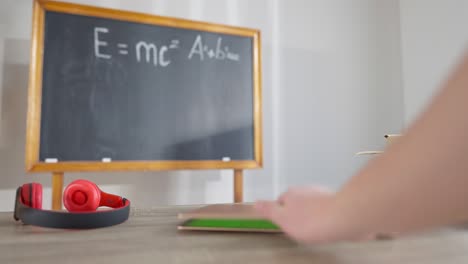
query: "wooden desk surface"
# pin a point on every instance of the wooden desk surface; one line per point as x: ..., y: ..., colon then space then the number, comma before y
x: 150, y: 236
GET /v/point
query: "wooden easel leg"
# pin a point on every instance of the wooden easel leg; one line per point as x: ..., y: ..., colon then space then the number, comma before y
x: 238, y: 186
x: 57, y: 187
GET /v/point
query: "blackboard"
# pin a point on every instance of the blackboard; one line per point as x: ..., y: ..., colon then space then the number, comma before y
x: 119, y: 90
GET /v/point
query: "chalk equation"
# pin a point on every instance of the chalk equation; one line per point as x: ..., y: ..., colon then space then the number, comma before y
x: 147, y: 52
x: 219, y: 53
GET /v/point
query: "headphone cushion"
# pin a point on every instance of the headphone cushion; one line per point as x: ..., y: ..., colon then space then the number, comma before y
x: 31, y: 195
x: 37, y: 195
x: 81, y: 196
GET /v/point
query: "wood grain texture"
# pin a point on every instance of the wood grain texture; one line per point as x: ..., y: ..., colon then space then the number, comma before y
x: 57, y: 188
x: 151, y: 236
x: 238, y: 186
x: 35, y: 87
x: 257, y: 78
x: 141, y: 165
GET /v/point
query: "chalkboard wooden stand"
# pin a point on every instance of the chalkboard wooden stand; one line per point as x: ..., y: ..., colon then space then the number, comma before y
x: 57, y: 187
x: 97, y: 101
x: 238, y: 186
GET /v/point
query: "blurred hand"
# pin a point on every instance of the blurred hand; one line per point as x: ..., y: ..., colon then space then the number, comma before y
x: 306, y: 214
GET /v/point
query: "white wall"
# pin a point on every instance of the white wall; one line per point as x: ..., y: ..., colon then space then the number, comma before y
x: 434, y: 36
x: 331, y: 87
x: 340, y: 87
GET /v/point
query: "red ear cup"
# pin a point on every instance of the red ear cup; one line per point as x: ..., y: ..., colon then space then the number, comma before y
x: 26, y: 194
x: 81, y: 195
x: 37, y: 195
x: 31, y: 195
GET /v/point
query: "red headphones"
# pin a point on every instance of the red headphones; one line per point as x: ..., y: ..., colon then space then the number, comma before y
x: 81, y: 198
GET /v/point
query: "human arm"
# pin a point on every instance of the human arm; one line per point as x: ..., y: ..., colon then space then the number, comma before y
x: 419, y: 182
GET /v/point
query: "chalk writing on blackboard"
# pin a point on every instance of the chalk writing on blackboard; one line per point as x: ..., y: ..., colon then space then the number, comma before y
x: 112, y: 90
x: 157, y: 55
x: 199, y: 49
x: 145, y: 51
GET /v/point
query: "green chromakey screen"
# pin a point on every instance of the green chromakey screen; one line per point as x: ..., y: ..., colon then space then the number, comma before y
x: 232, y: 223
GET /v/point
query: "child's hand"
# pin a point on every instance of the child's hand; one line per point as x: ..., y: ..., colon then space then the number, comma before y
x: 306, y: 214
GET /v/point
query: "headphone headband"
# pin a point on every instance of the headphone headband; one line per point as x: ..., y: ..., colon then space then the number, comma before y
x: 69, y: 220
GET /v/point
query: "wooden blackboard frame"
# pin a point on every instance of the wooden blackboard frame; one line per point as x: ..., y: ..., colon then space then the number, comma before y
x: 33, y: 164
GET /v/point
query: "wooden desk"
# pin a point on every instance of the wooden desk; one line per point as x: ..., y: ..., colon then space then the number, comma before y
x: 150, y: 236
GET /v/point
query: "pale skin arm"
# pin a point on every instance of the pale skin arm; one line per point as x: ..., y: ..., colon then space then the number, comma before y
x: 420, y: 182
